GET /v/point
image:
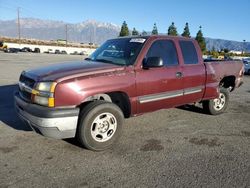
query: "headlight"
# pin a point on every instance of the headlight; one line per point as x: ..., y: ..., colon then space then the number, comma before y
x: 46, y: 86
x: 44, y: 94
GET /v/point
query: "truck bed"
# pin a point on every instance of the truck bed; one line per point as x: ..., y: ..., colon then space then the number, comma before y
x: 216, y: 70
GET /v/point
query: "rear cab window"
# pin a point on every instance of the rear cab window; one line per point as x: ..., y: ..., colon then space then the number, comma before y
x: 189, y: 52
x: 166, y: 50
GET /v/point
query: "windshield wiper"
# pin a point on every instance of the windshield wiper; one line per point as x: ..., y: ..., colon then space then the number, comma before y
x: 105, y: 61
x: 88, y: 59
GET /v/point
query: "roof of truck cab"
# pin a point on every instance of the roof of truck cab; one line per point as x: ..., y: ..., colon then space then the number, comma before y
x: 156, y: 36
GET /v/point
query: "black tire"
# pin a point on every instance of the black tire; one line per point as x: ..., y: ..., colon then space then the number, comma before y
x: 87, y: 125
x: 214, y: 108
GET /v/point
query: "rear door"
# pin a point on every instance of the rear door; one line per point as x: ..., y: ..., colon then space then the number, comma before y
x: 161, y: 87
x: 193, y: 71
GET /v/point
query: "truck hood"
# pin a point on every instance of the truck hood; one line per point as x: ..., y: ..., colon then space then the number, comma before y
x: 63, y: 71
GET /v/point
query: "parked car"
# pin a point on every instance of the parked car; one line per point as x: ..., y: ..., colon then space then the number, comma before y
x: 57, y: 52
x: 26, y: 49
x: 63, y: 52
x: 12, y: 50
x: 74, y: 53
x: 125, y: 77
x: 36, y: 50
x: 83, y: 53
x: 49, y: 51
x: 247, y: 66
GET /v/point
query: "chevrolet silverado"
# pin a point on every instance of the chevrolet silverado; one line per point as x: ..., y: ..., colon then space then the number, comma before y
x: 124, y: 77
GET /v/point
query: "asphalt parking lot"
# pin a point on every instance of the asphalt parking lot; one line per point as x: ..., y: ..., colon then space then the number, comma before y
x: 181, y: 147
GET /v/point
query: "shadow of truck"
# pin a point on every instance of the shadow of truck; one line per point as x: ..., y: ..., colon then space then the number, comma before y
x: 7, y: 110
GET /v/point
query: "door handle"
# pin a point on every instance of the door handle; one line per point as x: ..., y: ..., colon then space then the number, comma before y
x: 178, y: 74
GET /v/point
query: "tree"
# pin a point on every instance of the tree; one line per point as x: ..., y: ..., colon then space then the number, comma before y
x: 124, y: 30
x: 215, y: 53
x: 135, y: 32
x: 201, y: 40
x: 172, y: 30
x: 226, y: 50
x: 186, y: 32
x: 144, y: 33
x: 155, y: 30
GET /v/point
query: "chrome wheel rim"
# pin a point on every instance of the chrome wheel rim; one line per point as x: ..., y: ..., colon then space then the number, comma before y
x: 220, y: 102
x: 103, y: 127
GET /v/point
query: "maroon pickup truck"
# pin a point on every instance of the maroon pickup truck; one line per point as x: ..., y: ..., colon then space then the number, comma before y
x: 124, y: 77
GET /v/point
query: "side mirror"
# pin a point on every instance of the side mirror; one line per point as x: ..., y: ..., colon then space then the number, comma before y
x: 152, y: 62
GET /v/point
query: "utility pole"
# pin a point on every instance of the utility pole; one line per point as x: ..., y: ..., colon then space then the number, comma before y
x: 94, y: 35
x: 66, y: 34
x: 18, y: 26
x: 90, y: 37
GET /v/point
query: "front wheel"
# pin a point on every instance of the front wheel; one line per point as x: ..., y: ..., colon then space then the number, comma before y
x: 100, y: 125
x: 218, y: 105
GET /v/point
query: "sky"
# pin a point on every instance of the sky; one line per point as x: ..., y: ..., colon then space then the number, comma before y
x: 224, y: 19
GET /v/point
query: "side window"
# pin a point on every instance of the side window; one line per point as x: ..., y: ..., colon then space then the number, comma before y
x: 164, y: 49
x: 189, y: 52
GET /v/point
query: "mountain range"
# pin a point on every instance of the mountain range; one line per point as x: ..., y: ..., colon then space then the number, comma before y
x: 87, y: 31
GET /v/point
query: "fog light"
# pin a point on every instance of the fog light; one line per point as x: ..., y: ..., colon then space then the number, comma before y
x: 41, y: 100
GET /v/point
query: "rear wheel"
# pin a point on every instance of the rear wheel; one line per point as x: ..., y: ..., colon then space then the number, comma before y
x: 100, y: 125
x: 218, y: 105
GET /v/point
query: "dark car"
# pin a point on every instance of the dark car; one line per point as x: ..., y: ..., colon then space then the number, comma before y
x: 26, y: 49
x: 63, y: 52
x: 49, y: 51
x: 57, y: 52
x: 36, y: 50
x: 12, y: 50
x: 74, y: 53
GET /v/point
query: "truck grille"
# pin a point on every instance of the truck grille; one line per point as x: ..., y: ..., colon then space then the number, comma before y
x: 28, y: 82
x: 25, y: 95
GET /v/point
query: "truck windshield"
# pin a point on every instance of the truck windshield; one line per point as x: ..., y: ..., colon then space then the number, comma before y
x: 121, y: 51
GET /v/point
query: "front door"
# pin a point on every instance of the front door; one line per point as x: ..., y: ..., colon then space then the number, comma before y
x: 160, y: 87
